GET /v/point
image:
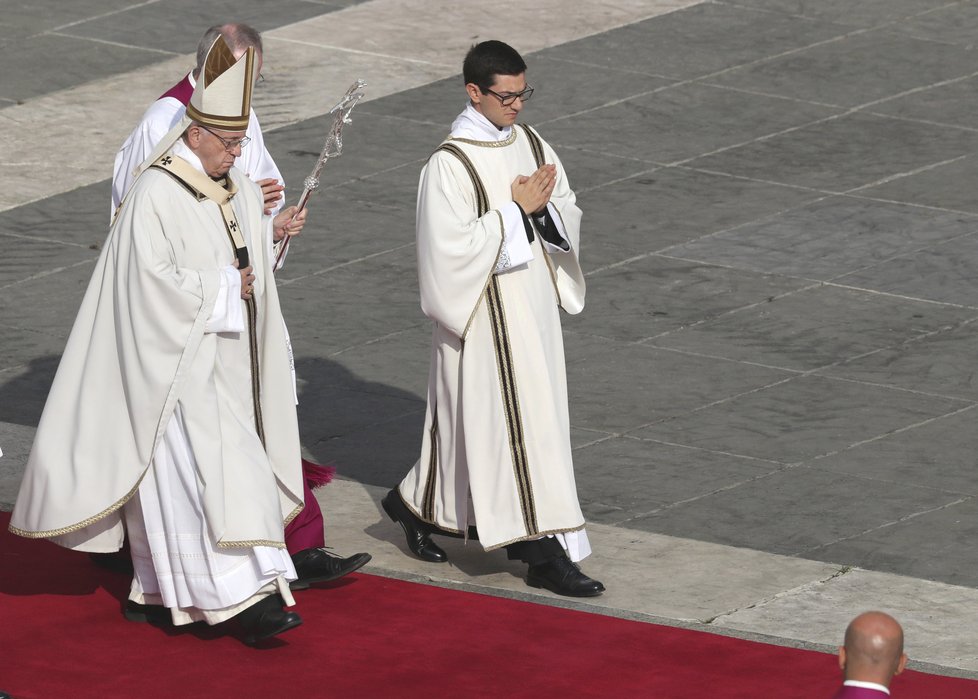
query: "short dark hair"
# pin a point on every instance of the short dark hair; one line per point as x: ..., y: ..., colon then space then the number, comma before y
x: 487, y: 59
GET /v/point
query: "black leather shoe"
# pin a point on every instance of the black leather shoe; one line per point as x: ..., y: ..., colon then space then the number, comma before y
x: 320, y: 565
x: 117, y: 562
x: 155, y: 614
x: 265, y: 619
x: 562, y: 577
x: 418, y: 533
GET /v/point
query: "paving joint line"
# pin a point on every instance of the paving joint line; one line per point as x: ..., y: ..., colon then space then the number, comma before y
x: 906, y: 518
x: 804, y: 587
x: 110, y: 13
x: 96, y: 40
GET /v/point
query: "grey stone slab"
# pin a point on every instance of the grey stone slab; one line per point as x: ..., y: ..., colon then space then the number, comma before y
x: 47, y: 304
x: 164, y: 25
x: 25, y: 259
x: 936, y: 545
x: 942, y: 363
x: 335, y: 236
x: 669, y: 206
x: 652, y: 295
x: 21, y: 19
x: 953, y: 23
x: 840, y: 154
x: 650, y: 476
x: 588, y: 171
x: 89, y: 60
x: 351, y: 306
x: 79, y: 218
x: 682, y: 122
x: 856, y: 69
x: 696, y: 41
x: 24, y: 388
x: 828, y: 238
x: 15, y: 441
x: 938, y: 454
x: 336, y: 404
x: 814, y: 328
x: 799, y: 419
x: 864, y: 13
x: 435, y: 104
x: 562, y: 88
x: 936, y: 618
x: 636, y: 385
x: 792, y: 511
x: 399, y: 362
x: 950, y: 103
x: 371, y: 144
x: 944, y: 272
x: 947, y: 186
x: 23, y: 346
x: 379, y: 453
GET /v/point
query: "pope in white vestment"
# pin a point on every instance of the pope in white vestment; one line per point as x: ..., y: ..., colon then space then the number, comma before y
x: 173, y: 406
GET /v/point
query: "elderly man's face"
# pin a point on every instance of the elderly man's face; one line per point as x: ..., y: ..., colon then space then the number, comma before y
x: 216, y: 149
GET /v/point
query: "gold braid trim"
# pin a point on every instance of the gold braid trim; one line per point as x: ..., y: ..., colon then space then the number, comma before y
x: 538, y: 535
x: 50, y: 533
x: 294, y: 513
x: 428, y: 521
x: 487, y: 144
x: 250, y: 544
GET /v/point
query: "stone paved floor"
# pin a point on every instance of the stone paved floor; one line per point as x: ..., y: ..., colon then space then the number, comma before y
x: 780, y: 242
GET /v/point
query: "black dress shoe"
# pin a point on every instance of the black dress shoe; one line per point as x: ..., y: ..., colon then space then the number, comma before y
x: 320, y: 565
x: 117, y: 562
x: 418, y: 533
x: 562, y: 577
x: 265, y: 619
x: 155, y: 614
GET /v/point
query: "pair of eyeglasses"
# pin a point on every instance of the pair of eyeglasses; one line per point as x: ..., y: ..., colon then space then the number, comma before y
x: 229, y: 143
x: 508, y: 98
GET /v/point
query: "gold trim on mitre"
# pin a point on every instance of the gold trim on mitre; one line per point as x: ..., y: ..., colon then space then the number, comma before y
x: 222, y: 96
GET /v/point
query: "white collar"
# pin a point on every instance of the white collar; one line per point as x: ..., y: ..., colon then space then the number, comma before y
x: 181, y: 150
x: 866, y: 685
x: 473, y: 125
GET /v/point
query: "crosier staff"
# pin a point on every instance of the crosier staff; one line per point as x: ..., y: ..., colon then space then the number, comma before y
x: 332, y: 147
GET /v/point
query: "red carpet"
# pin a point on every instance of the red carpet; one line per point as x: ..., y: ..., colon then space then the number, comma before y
x: 367, y: 636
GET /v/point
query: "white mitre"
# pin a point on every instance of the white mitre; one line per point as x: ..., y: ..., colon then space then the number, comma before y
x: 221, y: 98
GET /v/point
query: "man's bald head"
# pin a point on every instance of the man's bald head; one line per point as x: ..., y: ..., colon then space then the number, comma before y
x: 873, y: 650
x: 239, y: 37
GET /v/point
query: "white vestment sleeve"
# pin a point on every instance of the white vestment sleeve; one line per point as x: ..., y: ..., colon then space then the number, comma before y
x: 227, y: 315
x: 257, y: 162
x: 157, y: 121
x: 457, y: 250
x: 516, y: 248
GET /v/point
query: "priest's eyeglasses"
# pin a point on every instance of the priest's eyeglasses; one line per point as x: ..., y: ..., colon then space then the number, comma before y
x: 508, y: 98
x: 229, y: 143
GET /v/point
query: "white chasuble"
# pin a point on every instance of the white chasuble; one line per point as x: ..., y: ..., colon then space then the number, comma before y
x: 496, y: 446
x: 141, y: 347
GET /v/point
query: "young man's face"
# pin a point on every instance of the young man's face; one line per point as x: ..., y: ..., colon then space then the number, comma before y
x: 491, y: 106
